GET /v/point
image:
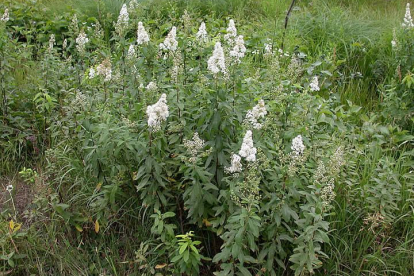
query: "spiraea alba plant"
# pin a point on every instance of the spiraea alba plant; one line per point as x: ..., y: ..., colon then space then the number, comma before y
x: 220, y: 137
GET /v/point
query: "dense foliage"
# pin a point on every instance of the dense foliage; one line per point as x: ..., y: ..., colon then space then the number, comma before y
x: 178, y: 142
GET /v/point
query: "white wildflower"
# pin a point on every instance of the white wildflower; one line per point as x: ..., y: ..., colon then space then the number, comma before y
x: 408, y: 21
x: 5, y: 16
x: 239, y: 49
x: 81, y: 40
x: 314, y: 85
x: 74, y: 24
x: 268, y: 47
x: 297, y: 145
x: 142, y: 35
x: 195, y: 145
x: 92, y: 73
x: 51, y: 42
x: 170, y: 43
x: 236, y: 165
x: 252, y: 116
x: 123, y: 20
x: 131, y: 52
x: 105, y: 70
x: 231, y: 32
x: 157, y: 113
x: 328, y: 194
x: 152, y: 86
x: 133, y: 5
x: 202, y: 33
x: 64, y: 44
x: 98, y: 31
x: 216, y: 62
x: 9, y: 188
x: 247, y: 149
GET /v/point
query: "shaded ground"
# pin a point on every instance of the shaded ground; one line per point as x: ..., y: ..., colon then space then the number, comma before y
x: 22, y: 195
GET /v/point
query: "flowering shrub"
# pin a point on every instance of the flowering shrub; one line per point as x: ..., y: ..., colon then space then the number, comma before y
x: 211, y: 132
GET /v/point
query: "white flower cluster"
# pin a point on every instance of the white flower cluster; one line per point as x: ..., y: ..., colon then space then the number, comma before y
x: 5, y: 16
x: 314, y: 85
x: 142, y: 35
x: 258, y: 111
x: 328, y: 193
x: 297, y: 145
x: 236, y: 165
x: 123, y: 20
x: 133, y: 5
x: 202, y: 33
x: 98, y: 31
x: 81, y: 40
x: 131, y: 52
x: 51, y: 42
x: 216, y: 62
x: 231, y: 32
x: 408, y: 20
x: 194, y: 146
x: 73, y: 26
x: 247, y: 149
x: 105, y: 70
x: 268, y: 48
x: 64, y: 44
x: 239, y: 49
x: 92, y: 73
x: 170, y: 43
x: 157, y: 113
x: 152, y: 86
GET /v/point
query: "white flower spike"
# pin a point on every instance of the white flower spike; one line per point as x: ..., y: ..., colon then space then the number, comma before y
x: 142, y: 35
x: 247, y: 149
x: 157, y: 113
x: 216, y: 63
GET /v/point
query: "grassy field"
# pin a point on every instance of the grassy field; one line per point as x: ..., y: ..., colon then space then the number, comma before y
x: 206, y: 153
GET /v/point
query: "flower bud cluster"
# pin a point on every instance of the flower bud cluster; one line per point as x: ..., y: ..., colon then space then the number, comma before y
x: 81, y: 41
x: 202, y: 33
x: 252, y: 116
x: 51, y: 42
x: 194, y: 146
x: 131, y: 52
x: 152, y: 87
x: 5, y: 17
x: 105, y: 70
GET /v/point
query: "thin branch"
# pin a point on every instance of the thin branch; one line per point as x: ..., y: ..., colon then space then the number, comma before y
x: 286, y: 22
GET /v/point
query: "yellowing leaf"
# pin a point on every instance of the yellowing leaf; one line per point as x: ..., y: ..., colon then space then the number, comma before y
x: 98, y: 187
x: 160, y: 266
x: 96, y: 226
x: 206, y: 222
x: 11, y: 225
x: 171, y: 179
x: 17, y: 227
x: 79, y: 228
